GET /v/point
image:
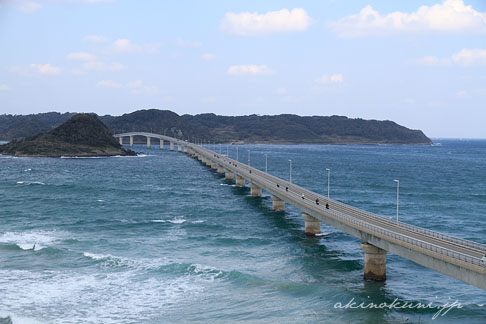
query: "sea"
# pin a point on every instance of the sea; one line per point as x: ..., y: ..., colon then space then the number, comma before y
x: 161, y: 238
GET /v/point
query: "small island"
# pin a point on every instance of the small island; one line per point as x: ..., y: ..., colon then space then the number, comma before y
x: 83, y: 135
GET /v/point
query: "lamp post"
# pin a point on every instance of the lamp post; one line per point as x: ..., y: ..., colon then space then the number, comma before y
x: 290, y: 171
x: 227, y: 150
x: 248, y: 157
x: 398, y: 191
x: 266, y: 162
x: 328, y: 181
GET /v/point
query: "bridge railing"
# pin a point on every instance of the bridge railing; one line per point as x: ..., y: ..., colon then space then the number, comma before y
x: 340, y: 213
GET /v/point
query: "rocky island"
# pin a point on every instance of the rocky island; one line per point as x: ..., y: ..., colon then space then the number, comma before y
x: 83, y: 135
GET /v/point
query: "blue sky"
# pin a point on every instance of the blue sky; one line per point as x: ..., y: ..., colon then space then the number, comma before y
x: 419, y: 63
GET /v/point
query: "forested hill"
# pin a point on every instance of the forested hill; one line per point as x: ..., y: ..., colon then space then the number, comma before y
x: 249, y: 129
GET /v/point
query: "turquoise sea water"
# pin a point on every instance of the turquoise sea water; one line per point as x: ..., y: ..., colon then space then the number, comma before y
x: 162, y: 239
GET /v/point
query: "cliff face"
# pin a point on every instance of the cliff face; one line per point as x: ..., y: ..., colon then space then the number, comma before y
x: 83, y: 135
x: 250, y: 129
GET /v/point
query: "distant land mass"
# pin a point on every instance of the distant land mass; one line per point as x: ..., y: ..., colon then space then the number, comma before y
x: 83, y: 135
x: 285, y: 128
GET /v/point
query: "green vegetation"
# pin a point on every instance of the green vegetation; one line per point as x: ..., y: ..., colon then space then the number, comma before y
x: 82, y: 135
x: 251, y: 129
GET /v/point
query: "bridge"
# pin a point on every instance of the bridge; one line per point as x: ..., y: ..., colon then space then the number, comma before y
x: 461, y: 259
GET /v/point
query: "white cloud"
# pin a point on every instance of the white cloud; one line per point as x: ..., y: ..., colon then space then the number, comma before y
x: 184, y: 43
x: 255, y: 24
x: 35, y: 69
x: 470, y: 57
x: 4, y: 87
x: 282, y: 91
x: 208, y: 57
x: 126, y: 46
x: 81, y: 56
x: 46, y: 69
x: 450, y: 16
x: 135, y: 87
x: 410, y: 101
x: 103, y: 67
x: 461, y: 93
x: 465, y: 57
x: 29, y: 6
x: 330, y: 79
x: 248, y: 70
x: 108, y: 84
x: 95, y: 39
x: 431, y: 61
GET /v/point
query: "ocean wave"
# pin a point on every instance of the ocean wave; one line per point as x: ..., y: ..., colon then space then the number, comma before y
x: 132, y: 156
x: 111, y: 261
x: 28, y: 183
x: 323, y: 234
x: 83, y: 157
x: 173, y: 221
x: 34, y: 240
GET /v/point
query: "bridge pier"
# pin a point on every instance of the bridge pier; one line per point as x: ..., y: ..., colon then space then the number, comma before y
x: 374, y: 262
x: 161, y: 144
x: 220, y: 169
x: 255, y: 191
x: 312, y: 224
x: 240, y: 181
x: 228, y: 175
x: 214, y: 166
x: 179, y: 148
x: 185, y: 149
x: 131, y: 140
x: 148, y: 142
x: 171, y: 146
x: 277, y: 203
x: 121, y: 140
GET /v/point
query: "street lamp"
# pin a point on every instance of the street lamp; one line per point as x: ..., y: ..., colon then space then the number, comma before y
x: 248, y: 157
x: 290, y: 171
x: 398, y: 191
x: 266, y: 162
x: 328, y: 181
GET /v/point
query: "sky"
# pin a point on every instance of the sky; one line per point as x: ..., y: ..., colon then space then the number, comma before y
x: 420, y: 63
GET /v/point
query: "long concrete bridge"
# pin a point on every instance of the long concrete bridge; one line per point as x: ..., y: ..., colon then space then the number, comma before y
x: 461, y: 259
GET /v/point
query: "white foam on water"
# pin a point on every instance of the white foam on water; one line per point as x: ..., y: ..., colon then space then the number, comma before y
x: 177, y: 221
x: 323, y: 234
x: 103, y: 296
x: 173, y: 221
x: 198, y: 221
x: 31, y: 183
x: 83, y: 157
x: 100, y: 200
x: 32, y: 240
x: 27, y: 170
x: 20, y: 319
x: 132, y: 156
